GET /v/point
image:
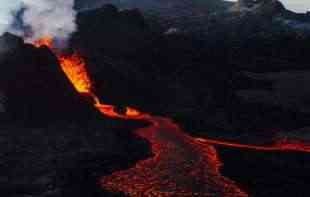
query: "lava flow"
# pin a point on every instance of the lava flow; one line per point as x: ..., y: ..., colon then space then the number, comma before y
x: 181, y: 165
x: 74, y: 68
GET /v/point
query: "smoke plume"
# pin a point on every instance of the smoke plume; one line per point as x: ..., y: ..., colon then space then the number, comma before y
x: 34, y: 19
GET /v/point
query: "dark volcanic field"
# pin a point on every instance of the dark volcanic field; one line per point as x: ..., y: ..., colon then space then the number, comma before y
x: 65, y: 159
x: 53, y: 143
x: 266, y: 174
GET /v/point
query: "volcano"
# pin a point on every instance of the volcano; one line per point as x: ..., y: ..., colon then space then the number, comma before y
x: 74, y: 139
x: 39, y: 66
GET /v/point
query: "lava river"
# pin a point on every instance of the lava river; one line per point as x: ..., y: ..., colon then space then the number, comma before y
x: 180, y: 166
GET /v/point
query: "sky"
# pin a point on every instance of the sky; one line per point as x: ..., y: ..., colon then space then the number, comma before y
x: 295, y: 5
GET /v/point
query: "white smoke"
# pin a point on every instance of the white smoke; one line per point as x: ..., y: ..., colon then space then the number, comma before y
x: 54, y: 18
x: 7, y: 11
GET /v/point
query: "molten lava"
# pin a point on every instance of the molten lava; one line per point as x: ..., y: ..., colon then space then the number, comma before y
x: 73, y: 66
x: 181, y: 165
x: 75, y: 69
x: 47, y: 41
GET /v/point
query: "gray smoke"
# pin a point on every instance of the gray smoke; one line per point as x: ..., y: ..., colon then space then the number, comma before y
x: 39, y: 18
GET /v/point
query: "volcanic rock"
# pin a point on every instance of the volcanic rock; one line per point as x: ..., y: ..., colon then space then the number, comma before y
x: 9, y: 42
x: 264, y: 7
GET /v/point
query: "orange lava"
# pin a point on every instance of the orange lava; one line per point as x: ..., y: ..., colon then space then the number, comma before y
x: 47, y: 41
x: 181, y: 165
x: 178, y: 168
x: 278, y: 146
x: 75, y: 69
x: 73, y: 66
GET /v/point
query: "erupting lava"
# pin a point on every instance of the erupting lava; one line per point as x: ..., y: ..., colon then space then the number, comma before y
x: 73, y: 66
x: 181, y: 165
x: 75, y: 69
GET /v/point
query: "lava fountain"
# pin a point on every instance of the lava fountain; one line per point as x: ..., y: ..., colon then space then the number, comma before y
x: 181, y: 165
x: 74, y: 67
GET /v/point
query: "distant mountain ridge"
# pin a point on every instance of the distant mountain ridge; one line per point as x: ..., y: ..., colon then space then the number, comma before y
x: 164, y: 7
x: 175, y: 6
x: 197, y: 15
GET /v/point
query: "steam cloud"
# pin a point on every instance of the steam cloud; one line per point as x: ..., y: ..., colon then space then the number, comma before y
x: 38, y: 18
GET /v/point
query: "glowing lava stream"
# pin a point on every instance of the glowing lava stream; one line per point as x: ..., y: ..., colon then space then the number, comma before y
x: 181, y: 165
